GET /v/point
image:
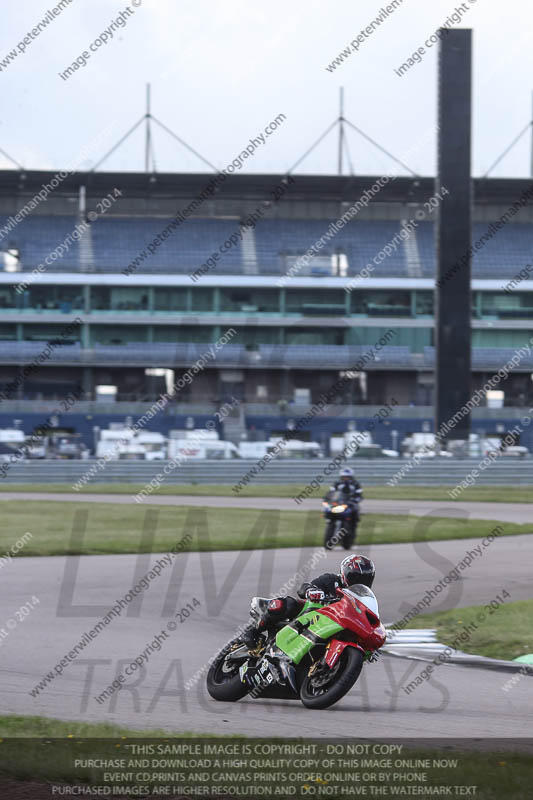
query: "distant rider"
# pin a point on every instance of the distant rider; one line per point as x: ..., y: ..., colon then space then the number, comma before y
x: 348, y: 485
x: 352, y: 494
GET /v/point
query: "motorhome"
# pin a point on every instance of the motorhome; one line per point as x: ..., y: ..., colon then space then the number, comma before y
x: 12, y: 440
x: 201, y: 448
x: 121, y: 444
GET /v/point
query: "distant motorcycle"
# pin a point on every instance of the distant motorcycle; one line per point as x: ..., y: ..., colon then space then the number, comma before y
x: 316, y: 658
x: 342, y: 518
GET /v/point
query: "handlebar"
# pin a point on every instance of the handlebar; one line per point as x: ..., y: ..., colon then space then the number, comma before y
x: 330, y: 598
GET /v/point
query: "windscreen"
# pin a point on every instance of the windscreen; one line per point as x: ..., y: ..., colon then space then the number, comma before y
x: 337, y: 497
x: 365, y: 596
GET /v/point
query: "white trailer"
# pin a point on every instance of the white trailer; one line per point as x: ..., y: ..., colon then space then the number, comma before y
x: 201, y: 448
x: 124, y: 444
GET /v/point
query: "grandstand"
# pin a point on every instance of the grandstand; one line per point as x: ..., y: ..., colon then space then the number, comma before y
x: 296, y: 330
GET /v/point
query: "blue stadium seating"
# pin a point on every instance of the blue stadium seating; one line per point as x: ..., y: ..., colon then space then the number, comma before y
x: 360, y: 241
x: 114, y: 243
x: 37, y: 236
x: 503, y: 256
x: 117, y: 242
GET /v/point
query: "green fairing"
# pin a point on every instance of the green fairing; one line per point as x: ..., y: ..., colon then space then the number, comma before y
x: 297, y: 645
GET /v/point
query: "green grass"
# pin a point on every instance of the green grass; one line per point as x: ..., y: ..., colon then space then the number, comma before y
x: 15, y: 725
x: 494, y: 494
x: 506, y: 632
x: 489, y: 494
x: 50, y: 757
x: 115, y: 528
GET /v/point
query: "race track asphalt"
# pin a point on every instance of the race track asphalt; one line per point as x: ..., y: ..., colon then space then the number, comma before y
x: 505, y: 512
x: 74, y: 592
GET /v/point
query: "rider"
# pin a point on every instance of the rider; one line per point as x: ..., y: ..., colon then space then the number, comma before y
x: 352, y: 493
x: 348, y: 485
x: 353, y: 569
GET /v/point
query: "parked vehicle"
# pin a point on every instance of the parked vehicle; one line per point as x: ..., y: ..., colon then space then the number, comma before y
x: 201, y: 448
x: 512, y: 451
x: 294, y: 448
x: 125, y: 444
x: 255, y: 450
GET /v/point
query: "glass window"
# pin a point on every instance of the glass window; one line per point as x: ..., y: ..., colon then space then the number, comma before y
x: 250, y: 337
x: 9, y: 298
x: 413, y: 338
x: 315, y: 301
x: 424, y: 304
x: 173, y: 334
x: 63, y: 299
x: 501, y: 338
x: 56, y: 333
x: 118, y: 334
x: 507, y: 305
x: 8, y: 332
x: 170, y: 299
x: 251, y: 301
x: 382, y: 303
x: 313, y: 336
x: 119, y: 298
x: 202, y: 299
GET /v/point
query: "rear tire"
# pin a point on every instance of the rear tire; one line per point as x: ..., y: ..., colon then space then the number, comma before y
x: 351, y: 662
x: 223, y: 681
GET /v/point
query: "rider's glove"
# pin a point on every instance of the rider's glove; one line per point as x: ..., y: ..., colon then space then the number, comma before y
x: 315, y: 595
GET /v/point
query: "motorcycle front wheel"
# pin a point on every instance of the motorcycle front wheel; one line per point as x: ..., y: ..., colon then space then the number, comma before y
x: 326, y: 686
x: 348, y: 540
x: 223, y: 679
x: 329, y: 534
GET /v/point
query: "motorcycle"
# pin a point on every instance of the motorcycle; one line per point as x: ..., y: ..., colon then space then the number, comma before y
x: 316, y: 658
x: 342, y: 517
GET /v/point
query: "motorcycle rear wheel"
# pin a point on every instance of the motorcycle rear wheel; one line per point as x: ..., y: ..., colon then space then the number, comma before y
x: 223, y: 680
x: 345, y: 674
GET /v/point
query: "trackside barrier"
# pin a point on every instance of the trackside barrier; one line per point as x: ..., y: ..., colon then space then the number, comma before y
x: 371, y: 472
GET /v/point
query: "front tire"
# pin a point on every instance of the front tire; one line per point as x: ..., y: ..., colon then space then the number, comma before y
x: 348, y: 540
x: 316, y: 694
x: 329, y: 534
x: 223, y: 680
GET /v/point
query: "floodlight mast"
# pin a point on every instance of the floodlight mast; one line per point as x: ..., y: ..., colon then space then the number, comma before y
x: 147, y: 118
x: 341, y: 128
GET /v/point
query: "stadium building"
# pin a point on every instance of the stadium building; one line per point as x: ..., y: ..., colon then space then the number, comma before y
x: 316, y: 278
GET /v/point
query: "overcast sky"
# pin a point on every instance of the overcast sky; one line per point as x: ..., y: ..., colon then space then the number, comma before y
x: 222, y: 69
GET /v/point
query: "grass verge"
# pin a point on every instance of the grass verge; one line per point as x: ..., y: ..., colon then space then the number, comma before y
x: 51, y: 757
x: 505, y: 632
x: 114, y: 528
x: 493, y: 494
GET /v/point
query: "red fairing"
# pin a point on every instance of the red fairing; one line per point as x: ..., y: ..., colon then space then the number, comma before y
x: 354, y: 616
x: 335, y: 649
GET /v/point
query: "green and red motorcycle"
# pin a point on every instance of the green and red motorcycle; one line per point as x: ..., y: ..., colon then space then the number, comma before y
x: 316, y: 658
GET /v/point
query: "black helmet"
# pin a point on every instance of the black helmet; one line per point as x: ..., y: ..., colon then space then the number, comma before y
x: 357, y: 569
